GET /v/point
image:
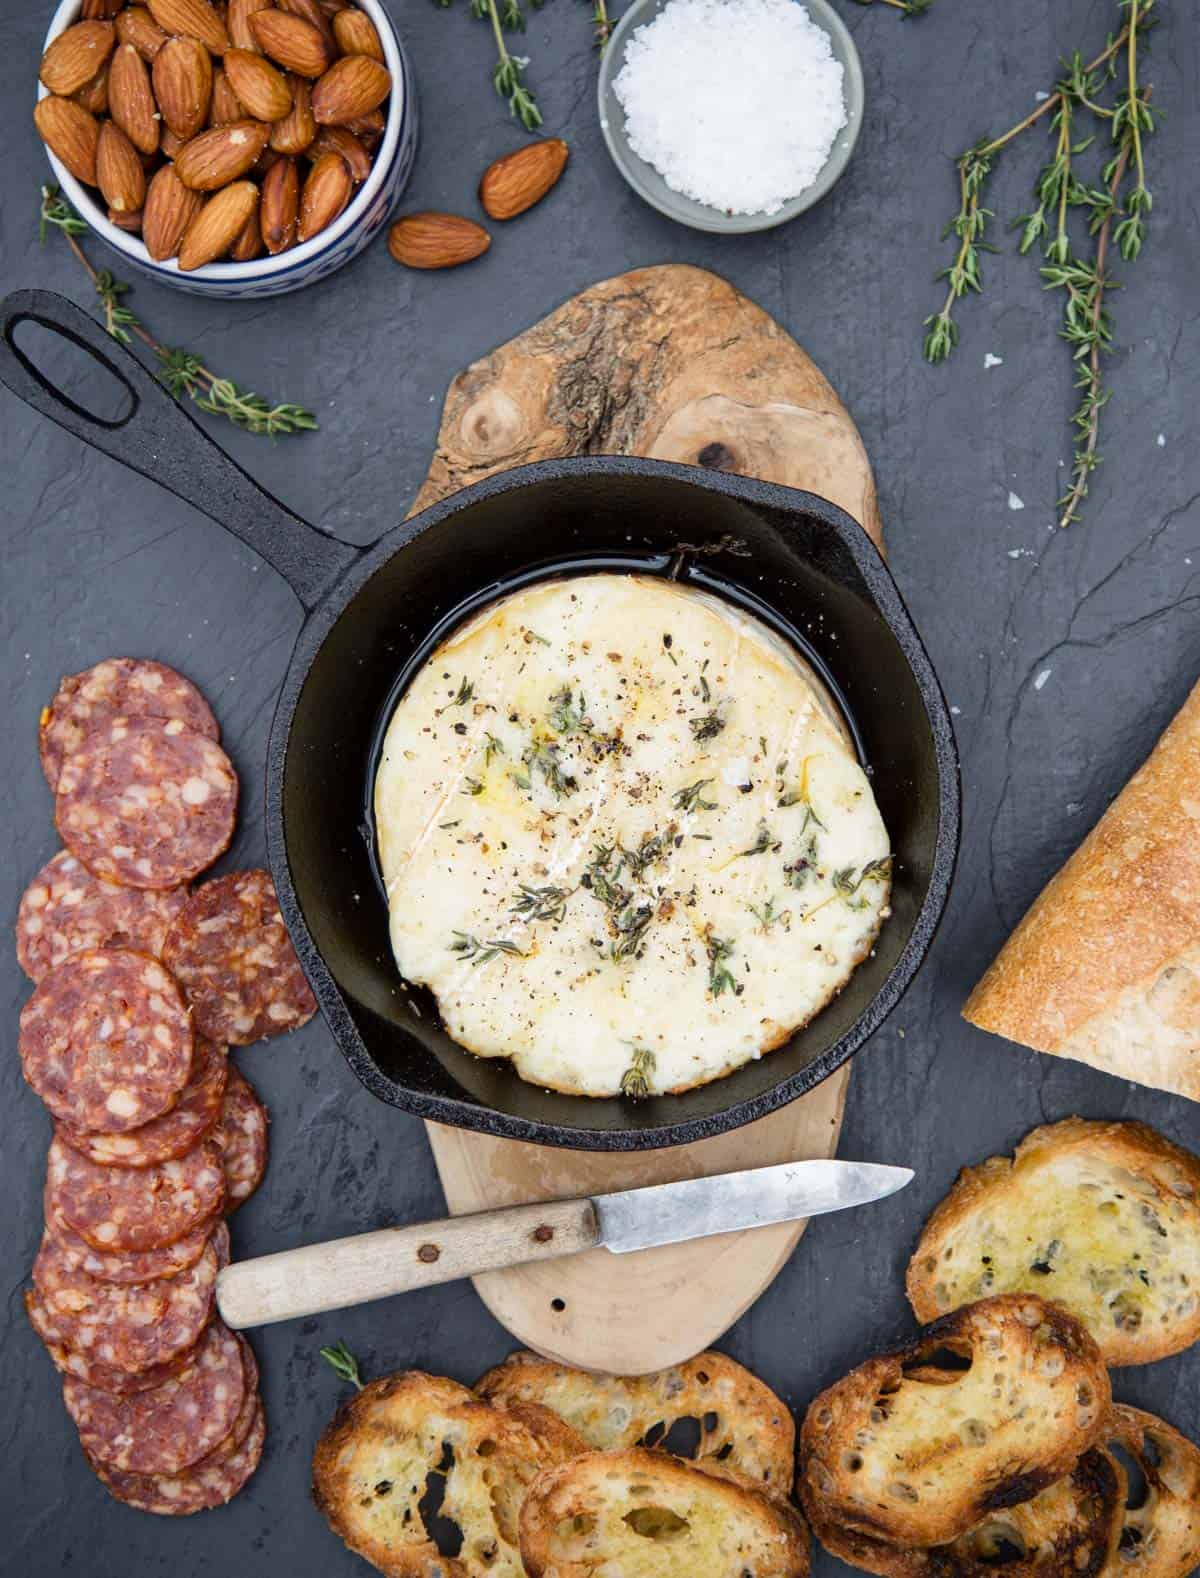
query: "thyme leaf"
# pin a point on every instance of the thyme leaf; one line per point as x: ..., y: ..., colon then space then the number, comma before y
x: 478, y: 952
x: 545, y: 903
x: 797, y: 872
x: 847, y: 884
x: 765, y: 841
x: 542, y: 757
x: 692, y: 798
x: 471, y: 786
x: 465, y: 691
x: 343, y: 1364
x: 492, y: 747
x: 565, y: 716
x: 635, y: 1081
x: 706, y: 727
x: 720, y: 980
x: 767, y: 915
x: 906, y: 8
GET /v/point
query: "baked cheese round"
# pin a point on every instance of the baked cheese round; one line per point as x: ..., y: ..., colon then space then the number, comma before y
x: 625, y: 837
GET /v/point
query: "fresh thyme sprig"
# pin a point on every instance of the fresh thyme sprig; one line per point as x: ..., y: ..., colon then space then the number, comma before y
x: 602, y: 27
x: 905, y: 7
x: 509, y: 70
x: 185, y: 375
x: 343, y: 1364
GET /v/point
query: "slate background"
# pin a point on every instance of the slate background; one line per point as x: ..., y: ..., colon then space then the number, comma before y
x: 97, y: 561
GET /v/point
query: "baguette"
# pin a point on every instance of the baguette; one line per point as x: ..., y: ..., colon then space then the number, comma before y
x: 645, y: 1514
x: 1105, y: 966
x: 1104, y: 1217
x: 914, y: 1449
x: 1160, y: 1537
x: 374, y: 1465
x: 1071, y: 1527
x: 744, y: 1429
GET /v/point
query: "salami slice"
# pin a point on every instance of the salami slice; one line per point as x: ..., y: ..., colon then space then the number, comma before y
x: 143, y: 1265
x: 231, y: 953
x: 196, y: 1489
x: 122, y: 1209
x: 169, y: 1428
x: 242, y: 1136
x: 71, y: 1361
x: 129, y: 687
x: 106, y: 1040
x: 173, y: 1134
x: 244, y: 1422
x: 66, y: 910
x: 146, y: 802
x: 128, y: 1328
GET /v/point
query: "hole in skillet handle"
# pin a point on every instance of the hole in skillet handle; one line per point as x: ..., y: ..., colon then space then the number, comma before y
x: 38, y: 343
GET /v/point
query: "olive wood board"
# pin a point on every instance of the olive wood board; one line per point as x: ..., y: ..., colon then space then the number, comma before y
x: 671, y: 363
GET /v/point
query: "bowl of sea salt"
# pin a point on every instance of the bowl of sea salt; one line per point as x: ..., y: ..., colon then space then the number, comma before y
x: 731, y: 115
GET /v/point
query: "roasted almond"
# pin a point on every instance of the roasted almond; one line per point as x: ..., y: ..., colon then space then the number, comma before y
x: 258, y: 84
x: 353, y: 86
x: 296, y: 130
x: 368, y: 128
x: 356, y: 34
x: 132, y: 223
x: 119, y: 173
x: 76, y: 55
x: 520, y: 179
x: 279, y: 210
x: 332, y: 7
x: 326, y: 192
x: 70, y: 133
x: 292, y: 42
x: 218, y: 225
x: 249, y: 243
x: 336, y: 139
x: 241, y: 34
x: 170, y: 145
x: 169, y: 209
x: 130, y: 99
x: 196, y: 18
x: 226, y: 107
x: 137, y: 27
x: 183, y: 85
x: 221, y: 155
x: 430, y: 240
x: 93, y: 95
x: 100, y: 10
x: 309, y: 11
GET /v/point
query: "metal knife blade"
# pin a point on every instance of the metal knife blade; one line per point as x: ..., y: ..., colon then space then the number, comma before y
x: 727, y: 1202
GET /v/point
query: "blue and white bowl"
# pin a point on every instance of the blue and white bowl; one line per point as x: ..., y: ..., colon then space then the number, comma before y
x: 364, y: 217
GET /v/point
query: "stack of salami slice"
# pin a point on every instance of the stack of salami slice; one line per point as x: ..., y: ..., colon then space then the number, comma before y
x: 141, y: 987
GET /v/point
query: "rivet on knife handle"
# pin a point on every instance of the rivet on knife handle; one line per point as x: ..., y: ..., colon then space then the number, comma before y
x: 347, y: 1271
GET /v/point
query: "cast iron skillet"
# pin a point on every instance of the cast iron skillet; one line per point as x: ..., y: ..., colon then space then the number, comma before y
x: 373, y: 614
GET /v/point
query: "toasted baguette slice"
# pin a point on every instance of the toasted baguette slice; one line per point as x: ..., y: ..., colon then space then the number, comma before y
x: 914, y: 1449
x: 645, y: 1514
x: 744, y: 1429
x: 1071, y: 1527
x: 1160, y: 1537
x: 371, y: 1468
x: 1104, y: 1217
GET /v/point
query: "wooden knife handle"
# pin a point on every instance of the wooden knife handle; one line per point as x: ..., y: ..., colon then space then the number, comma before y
x: 348, y: 1271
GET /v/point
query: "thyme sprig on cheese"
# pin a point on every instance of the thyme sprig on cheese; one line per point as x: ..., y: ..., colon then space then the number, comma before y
x: 692, y: 798
x: 765, y: 841
x: 544, y: 903
x: 720, y: 978
x: 847, y: 884
x: 706, y: 727
x: 478, y: 952
x: 635, y: 1081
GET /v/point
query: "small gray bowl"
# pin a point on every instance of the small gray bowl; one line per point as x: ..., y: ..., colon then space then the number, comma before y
x: 645, y: 179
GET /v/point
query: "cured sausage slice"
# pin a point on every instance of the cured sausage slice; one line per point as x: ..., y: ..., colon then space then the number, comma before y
x: 106, y: 1040
x: 71, y: 1361
x: 132, y: 1208
x: 242, y: 1136
x: 146, y: 802
x: 231, y: 953
x: 172, y: 1426
x: 143, y: 1265
x: 173, y: 1134
x: 206, y: 1485
x: 132, y: 687
x: 127, y: 1327
x: 66, y: 910
x: 245, y: 1420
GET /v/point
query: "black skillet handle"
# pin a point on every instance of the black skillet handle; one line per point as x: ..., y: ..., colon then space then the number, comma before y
x: 159, y: 440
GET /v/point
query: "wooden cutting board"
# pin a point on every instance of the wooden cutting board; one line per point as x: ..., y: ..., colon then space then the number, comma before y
x: 674, y: 364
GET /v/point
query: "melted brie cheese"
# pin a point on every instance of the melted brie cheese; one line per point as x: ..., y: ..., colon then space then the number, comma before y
x: 625, y: 838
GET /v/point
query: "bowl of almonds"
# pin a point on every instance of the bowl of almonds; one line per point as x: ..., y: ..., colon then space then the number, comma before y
x: 237, y: 149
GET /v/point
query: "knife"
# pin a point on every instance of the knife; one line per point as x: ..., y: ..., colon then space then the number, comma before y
x: 347, y: 1271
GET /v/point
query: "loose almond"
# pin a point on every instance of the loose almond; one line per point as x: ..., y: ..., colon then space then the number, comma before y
x: 430, y: 240
x: 70, y: 133
x: 353, y: 86
x: 356, y: 34
x: 292, y: 42
x: 521, y: 179
x: 226, y: 107
x: 196, y: 18
x: 183, y: 85
x: 76, y: 55
x: 296, y: 130
x: 137, y: 27
x: 218, y: 225
x: 336, y: 139
x: 169, y: 209
x: 221, y: 155
x: 280, y: 207
x: 93, y: 95
x: 326, y: 193
x: 258, y: 84
x: 130, y: 99
x: 241, y: 34
x: 119, y: 173
x: 249, y: 243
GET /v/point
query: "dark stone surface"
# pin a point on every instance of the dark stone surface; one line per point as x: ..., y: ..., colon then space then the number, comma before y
x: 98, y: 562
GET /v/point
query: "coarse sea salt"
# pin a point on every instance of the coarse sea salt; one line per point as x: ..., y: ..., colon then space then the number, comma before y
x: 736, y: 103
